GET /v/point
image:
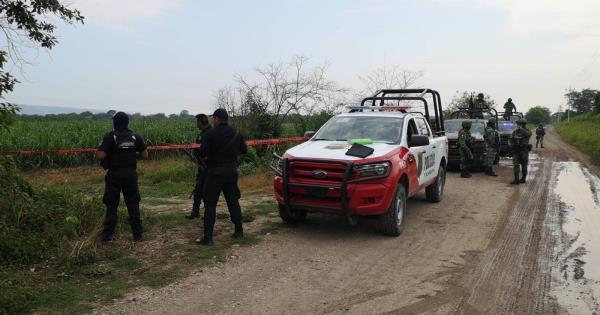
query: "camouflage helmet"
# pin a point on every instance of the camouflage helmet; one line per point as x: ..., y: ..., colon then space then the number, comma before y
x: 510, y: 99
x: 480, y: 95
x: 492, y: 121
x: 466, y: 124
x: 521, y: 122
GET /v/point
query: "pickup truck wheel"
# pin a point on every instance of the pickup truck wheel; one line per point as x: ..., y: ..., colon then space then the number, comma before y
x: 435, y: 191
x: 392, y: 223
x: 292, y: 216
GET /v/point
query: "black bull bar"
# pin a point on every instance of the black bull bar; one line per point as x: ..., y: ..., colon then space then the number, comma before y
x: 284, y: 172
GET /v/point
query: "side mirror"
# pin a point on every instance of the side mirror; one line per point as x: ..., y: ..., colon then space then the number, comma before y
x: 309, y: 134
x: 418, y: 141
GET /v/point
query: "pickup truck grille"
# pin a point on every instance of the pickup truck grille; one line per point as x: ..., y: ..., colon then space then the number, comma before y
x: 321, y: 172
x: 478, y: 149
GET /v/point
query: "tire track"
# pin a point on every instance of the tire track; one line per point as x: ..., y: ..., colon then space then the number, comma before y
x: 507, y: 278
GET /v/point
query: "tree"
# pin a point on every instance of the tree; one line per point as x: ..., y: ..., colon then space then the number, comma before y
x: 26, y: 22
x: 582, y: 101
x: 597, y: 104
x: 388, y: 77
x: 7, y: 115
x: 111, y: 112
x: 538, y: 115
x: 184, y: 113
x: 282, y: 89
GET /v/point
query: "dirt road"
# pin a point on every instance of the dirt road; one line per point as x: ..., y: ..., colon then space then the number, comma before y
x: 487, y: 248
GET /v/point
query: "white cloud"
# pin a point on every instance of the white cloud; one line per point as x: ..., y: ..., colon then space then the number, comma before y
x: 575, y: 17
x: 118, y: 14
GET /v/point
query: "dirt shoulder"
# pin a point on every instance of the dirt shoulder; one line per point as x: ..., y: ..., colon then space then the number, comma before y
x: 325, y: 266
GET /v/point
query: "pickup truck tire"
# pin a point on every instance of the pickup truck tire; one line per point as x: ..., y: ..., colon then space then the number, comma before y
x: 292, y: 216
x: 435, y: 191
x: 392, y: 222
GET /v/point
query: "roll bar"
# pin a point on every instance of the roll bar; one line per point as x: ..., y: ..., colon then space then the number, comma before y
x: 411, y: 95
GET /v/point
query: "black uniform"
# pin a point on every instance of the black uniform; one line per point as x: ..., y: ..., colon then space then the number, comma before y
x: 222, y: 145
x: 200, y: 176
x: 122, y: 147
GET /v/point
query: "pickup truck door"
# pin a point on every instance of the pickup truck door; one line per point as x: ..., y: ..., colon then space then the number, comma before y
x: 416, y: 163
x: 427, y: 155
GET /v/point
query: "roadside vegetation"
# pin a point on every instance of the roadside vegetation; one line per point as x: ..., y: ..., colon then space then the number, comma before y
x: 51, y: 261
x: 579, y: 131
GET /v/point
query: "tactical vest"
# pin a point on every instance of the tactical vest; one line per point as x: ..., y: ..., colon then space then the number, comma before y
x: 123, y: 155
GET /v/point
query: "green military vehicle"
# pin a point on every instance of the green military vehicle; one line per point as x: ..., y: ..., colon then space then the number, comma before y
x: 454, y: 124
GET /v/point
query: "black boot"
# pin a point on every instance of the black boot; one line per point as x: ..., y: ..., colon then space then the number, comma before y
x: 465, y: 174
x: 205, y: 241
x: 192, y: 215
x: 516, y: 181
x: 239, y: 232
x: 490, y: 171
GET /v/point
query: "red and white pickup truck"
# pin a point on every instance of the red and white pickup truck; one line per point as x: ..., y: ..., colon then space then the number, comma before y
x: 407, y: 157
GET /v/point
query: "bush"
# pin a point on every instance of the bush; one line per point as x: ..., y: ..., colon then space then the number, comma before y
x: 35, y: 225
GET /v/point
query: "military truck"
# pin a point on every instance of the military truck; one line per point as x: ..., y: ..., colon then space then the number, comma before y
x: 454, y: 124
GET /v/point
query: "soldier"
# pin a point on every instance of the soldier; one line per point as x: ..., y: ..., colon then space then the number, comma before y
x: 509, y: 108
x: 465, y: 141
x: 221, y: 147
x: 519, y: 143
x: 480, y: 105
x: 540, y: 132
x: 203, y: 125
x: 492, y: 141
x: 118, y: 153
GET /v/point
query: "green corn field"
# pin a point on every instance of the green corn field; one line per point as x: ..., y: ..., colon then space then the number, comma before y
x: 80, y: 132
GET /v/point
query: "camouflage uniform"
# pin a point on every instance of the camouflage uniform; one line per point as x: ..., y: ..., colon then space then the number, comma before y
x: 492, y: 141
x: 509, y: 108
x: 465, y: 140
x: 519, y: 142
x: 540, y: 132
x: 479, y: 106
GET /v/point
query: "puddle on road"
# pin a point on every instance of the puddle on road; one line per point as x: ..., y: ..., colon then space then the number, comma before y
x: 576, y: 196
x: 532, y: 166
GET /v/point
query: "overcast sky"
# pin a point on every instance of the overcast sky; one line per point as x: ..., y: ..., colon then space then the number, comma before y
x: 167, y: 55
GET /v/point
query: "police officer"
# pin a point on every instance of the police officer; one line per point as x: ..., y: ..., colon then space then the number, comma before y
x: 540, y: 132
x: 509, y: 108
x: 221, y: 147
x: 203, y: 125
x: 118, y: 153
x: 519, y: 143
x: 492, y: 140
x: 465, y: 140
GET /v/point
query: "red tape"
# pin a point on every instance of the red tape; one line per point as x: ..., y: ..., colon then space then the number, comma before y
x: 253, y: 143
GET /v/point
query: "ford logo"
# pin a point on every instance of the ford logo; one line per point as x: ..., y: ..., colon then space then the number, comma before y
x: 319, y: 174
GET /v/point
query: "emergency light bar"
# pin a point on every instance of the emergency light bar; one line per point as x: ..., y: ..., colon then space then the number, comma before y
x: 358, y: 107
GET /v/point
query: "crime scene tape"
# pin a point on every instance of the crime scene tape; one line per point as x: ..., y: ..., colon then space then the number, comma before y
x: 253, y: 143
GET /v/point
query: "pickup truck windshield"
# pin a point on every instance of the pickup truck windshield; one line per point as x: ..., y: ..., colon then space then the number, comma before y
x: 378, y: 129
x: 455, y: 126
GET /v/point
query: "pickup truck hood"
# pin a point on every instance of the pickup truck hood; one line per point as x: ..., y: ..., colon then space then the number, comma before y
x: 454, y: 136
x: 335, y: 150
